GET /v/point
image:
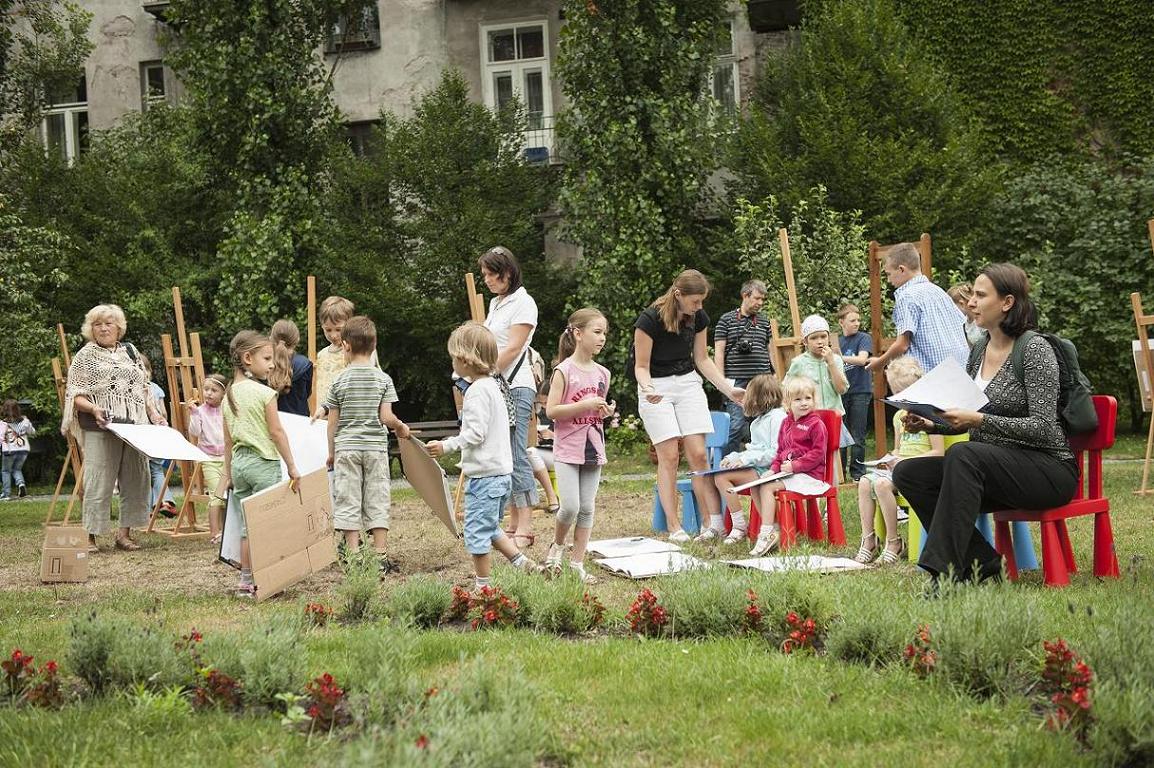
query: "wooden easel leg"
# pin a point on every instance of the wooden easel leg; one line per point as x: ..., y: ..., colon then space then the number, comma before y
x: 1144, y: 488
x: 159, y: 499
x: 77, y: 493
x: 458, y: 497
x: 59, y: 485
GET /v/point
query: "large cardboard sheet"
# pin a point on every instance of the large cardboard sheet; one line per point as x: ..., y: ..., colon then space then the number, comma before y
x: 157, y: 442
x: 290, y: 532
x: 65, y: 554
x: 1140, y: 369
x: 814, y: 563
x: 428, y: 480
x: 631, y: 545
x: 652, y: 564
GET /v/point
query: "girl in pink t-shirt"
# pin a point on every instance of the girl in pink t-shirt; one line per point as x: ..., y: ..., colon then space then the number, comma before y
x: 578, y: 408
x: 206, y: 428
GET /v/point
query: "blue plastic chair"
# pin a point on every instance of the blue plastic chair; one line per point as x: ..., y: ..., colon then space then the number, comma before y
x: 714, y: 450
x: 1023, y: 542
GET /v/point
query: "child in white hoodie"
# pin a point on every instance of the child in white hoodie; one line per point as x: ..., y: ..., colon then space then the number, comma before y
x: 486, y: 454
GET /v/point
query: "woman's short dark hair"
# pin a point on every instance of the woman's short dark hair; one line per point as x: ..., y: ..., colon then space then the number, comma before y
x: 1011, y: 280
x: 500, y: 261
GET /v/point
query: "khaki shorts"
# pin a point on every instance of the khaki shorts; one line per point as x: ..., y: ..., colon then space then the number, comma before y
x: 683, y: 409
x: 361, y: 490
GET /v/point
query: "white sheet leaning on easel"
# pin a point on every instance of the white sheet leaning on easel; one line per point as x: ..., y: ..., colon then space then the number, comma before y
x: 157, y: 442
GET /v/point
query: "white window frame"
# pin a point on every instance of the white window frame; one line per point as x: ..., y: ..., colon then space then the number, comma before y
x: 148, y: 99
x: 730, y: 60
x: 71, y: 112
x: 518, y: 67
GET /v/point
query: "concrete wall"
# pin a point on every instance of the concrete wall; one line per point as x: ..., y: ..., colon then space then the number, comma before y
x: 124, y: 36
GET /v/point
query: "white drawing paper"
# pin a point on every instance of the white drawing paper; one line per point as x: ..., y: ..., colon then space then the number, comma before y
x: 652, y: 564
x: 760, y: 481
x: 946, y: 387
x: 814, y: 563
x: 157, y: 442
x: 631, y: 545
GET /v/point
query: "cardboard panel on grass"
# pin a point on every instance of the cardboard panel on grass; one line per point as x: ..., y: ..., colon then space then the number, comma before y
x: 290, y: 532
x: 65, y: 555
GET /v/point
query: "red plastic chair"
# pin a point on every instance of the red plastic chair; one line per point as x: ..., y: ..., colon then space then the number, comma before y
x: 1057, y: 554
x: 798, y: 513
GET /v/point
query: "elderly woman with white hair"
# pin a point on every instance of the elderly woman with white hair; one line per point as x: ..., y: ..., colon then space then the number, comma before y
x: 107, y: 383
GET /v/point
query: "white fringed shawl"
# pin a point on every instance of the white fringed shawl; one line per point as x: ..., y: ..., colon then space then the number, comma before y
x: 111, y: 380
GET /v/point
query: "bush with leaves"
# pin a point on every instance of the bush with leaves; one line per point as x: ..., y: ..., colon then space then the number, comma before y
x: 271, y: 661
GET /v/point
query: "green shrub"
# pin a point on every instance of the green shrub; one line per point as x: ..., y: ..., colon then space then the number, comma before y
x: 874, y: 631
x: 988, y: 639
x: 1123, y: 731
x: 564, y: 606
x: 796, y: 592
x: 112, y: 652
x: 361, y: 586
x: 486, y: 716
x: 525, y: 589
x: 705, y: 603
x: 272, y: 661
x: 377, y: 669
x: 421, y: 601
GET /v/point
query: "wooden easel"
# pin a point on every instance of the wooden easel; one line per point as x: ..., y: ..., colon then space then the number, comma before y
x: 74, y: 459
x: 477, y: 315
x: 783, y: 349
x: 1146, y: 355
x: 185, y: 380
x: 877, y: 255
x: 311, y: 297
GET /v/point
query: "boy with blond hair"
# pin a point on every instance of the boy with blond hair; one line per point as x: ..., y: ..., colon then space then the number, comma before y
x: 334, y: 312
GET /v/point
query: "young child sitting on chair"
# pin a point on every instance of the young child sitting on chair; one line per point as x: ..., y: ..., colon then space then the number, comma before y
x: 878, y: 483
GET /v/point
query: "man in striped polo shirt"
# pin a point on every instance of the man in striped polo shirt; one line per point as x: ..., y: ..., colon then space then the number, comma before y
x: 741, y: 351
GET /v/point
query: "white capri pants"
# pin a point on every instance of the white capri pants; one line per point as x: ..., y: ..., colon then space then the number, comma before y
x: 683, y: 409
x: 577, y: 492
x: 540, y: 458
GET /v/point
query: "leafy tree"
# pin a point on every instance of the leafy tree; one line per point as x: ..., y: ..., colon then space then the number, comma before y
x: 260, y: 97
x: 434, y: 192
x: 639, y: 141
x: 858, y: 107
x: 828, y: 250
x: 1079, y: 229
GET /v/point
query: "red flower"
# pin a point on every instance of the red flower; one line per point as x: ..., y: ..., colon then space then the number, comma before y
x: 50, y: 667
x: 422, y: 741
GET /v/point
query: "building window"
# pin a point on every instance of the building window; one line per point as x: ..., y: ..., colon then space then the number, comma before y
x: 355, y: 32
x: 724, y: 83
x: 153, y: 84
x: 64, y: 128
x: 515, y: 65
x: 359, y: 135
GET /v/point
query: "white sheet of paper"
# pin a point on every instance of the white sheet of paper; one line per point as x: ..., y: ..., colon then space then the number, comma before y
x: 946, y: 387
x: 309, y: 442
x: 815, y: 563
x: 651, y: 564
x: 760, y: 481
x: 883, y: 460
x: 633, y: 545
x: 158, y: 442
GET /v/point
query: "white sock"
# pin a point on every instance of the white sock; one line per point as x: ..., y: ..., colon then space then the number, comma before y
x: 481, y: 582
x: 519, y: 560
x: 717, y: 522
x: 738, y: 519
x: 577, y: 566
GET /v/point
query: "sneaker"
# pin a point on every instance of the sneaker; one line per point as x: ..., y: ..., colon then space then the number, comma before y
x: 736, y: 536
x: 22, y: 491
x: 708, y: 536
x: 679, y: 537
x: 529, y: 565
x: 553, y: 559
x: 766, y: 542
x: 387, y: 566
x: 5, y: 497
x: 903, y: 515
x: 245, y: 591
x: 168, y: 509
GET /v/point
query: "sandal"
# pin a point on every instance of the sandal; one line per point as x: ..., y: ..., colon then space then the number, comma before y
x: 126, y: 544
x: 516, y: 538
x: 553, y: 509
x: 867, y: 554
x: 888, y: 556
x: 216, y: 539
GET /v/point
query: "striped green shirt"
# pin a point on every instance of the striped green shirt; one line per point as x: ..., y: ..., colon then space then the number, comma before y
x: 358, y: 392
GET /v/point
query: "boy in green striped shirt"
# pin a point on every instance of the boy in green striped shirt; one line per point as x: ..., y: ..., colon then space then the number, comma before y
x: 359, y: 406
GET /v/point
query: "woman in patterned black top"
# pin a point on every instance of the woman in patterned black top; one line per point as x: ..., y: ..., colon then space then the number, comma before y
x: 1017, y: 456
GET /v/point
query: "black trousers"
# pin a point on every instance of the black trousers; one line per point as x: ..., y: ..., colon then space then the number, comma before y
x: 948, y: 493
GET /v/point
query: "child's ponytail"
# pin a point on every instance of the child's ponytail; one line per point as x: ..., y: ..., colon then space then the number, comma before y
x: 578, y: 321
x: 284, y: 337
x: 244, y: 343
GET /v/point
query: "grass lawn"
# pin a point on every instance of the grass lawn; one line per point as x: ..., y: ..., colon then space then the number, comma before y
x: 519, y: 697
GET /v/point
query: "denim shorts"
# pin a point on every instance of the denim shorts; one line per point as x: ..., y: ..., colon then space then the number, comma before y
x: 485, y: 500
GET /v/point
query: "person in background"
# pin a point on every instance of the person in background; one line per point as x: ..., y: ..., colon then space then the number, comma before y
x: 740, y: 352
x: 855, y: 353
x: 14, y: 447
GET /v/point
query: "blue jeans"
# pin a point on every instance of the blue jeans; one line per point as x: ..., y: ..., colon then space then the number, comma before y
x: 738, y: 424
x: 524, y: 484
x: 857, y: 409
x: 157, y: 468
x: 485, y: 499
x: 13, y: 469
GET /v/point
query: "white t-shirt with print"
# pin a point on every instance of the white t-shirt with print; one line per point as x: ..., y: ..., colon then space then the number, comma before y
x: 516, y: 308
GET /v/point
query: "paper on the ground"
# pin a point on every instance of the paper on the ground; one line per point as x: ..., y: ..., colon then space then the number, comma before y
x: 651, y: 564
x: 760, y: 481
x: 946, y: 387
x: 815, y: 563
x: 889, y: 457
x: 309, y: 442
x: 631, y: 545
x: 158, y: 442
